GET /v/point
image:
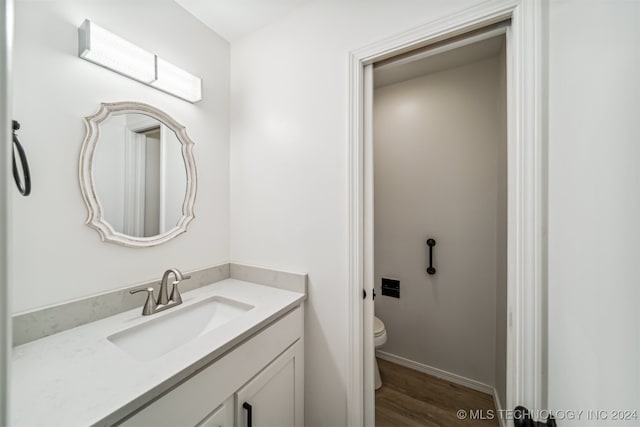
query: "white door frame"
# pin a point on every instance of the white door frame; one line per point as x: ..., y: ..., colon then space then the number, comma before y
x: 526, y: 275
x: 6, y: 186
x: 135, y: 167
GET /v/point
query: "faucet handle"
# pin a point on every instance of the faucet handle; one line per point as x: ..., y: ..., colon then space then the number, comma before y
x: 150, y: 303
x: 175, y: 293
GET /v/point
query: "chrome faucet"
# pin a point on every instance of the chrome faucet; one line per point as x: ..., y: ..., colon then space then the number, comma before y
x: 163, y: 302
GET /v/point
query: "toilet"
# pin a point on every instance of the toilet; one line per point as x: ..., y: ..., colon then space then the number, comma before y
x: 379, y: 338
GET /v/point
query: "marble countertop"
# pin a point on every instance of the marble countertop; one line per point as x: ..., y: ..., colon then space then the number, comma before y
x: 79, y: 378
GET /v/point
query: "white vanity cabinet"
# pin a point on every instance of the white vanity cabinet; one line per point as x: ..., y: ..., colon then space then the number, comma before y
x: 265, y: 371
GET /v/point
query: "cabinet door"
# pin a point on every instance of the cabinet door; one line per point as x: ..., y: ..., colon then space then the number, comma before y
x: 274, y: 397
x: 222, y: 416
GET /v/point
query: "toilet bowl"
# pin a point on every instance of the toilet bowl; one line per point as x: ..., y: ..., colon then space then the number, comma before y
x: 379, y: 338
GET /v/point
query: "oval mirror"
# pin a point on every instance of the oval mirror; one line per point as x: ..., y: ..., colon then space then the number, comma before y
x: 137, y: 174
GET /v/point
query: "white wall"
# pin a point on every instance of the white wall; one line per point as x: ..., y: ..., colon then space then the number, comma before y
x: 594, y: 207
x: 56, y: 256
x: 437, y: 142
x: 109, y: 170
x: 289, y: 156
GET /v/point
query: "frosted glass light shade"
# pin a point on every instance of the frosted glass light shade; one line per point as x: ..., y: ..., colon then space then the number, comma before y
x: 97, y: 45
x: 104, y: 48
x: 177, y: 82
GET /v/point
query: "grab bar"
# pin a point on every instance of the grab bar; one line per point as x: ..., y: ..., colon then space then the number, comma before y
x: 431, y: 243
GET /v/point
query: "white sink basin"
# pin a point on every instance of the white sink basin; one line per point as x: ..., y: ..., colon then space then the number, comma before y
x: 161, y: 335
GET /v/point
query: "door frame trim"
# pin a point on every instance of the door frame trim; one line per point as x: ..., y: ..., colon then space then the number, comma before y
x: 6, y: 188
x: 527, y: 245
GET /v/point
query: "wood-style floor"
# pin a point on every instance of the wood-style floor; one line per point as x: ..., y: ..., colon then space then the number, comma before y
x: 411, y: 398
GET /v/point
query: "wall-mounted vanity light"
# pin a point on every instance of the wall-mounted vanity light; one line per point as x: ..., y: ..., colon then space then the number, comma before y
x: 97, y: 45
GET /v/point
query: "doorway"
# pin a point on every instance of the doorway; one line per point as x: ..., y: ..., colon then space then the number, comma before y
x: 526, y: 334
x: 440, y: 231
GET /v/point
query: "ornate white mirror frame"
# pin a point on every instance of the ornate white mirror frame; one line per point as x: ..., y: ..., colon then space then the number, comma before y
x: 96, y: 218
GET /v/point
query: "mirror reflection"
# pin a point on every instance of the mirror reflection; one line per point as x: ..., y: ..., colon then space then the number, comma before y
x: 139, y: 175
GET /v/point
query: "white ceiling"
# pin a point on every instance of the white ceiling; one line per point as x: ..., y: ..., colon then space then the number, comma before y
x: 232, y: 19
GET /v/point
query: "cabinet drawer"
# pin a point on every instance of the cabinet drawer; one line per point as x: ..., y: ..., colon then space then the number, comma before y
x: 192, y: 401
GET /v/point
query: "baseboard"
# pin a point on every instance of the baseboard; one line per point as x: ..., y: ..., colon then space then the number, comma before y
x: 439, y: 373
x: 499, y: 408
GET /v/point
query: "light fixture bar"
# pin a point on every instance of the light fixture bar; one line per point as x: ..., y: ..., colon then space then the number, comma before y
x: 176, y: 81
x: 97, y: 45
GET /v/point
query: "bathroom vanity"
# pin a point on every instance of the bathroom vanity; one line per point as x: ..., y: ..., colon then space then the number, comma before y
x: 230, y: 355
